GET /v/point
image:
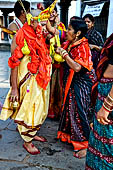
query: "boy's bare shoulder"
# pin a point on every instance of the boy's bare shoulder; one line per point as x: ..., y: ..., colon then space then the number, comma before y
x: 13, y: 27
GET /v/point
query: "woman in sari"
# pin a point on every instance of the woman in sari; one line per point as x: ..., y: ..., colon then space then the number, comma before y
x: 100, y: 149
x: 95, y: 39
x: 77, y: 80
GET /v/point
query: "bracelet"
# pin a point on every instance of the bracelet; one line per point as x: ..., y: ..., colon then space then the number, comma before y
x: 107, y: 102
x: 62, y: 51
x: 105, y: 108
x: 65, y: 56
x: 110, y: 97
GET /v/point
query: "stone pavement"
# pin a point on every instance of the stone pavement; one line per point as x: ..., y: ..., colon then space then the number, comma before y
x: 55, y: 155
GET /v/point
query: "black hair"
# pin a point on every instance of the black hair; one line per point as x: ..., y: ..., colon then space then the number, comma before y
x: 79, y: 25
x: 18, y: 8
x: 90, y: 17
x: 75, y: 17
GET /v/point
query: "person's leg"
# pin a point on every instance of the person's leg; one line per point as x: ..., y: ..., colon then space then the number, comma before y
x: 28, y: 136
x: 36, y: 138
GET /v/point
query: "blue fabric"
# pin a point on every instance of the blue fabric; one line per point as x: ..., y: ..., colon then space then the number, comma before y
x: 96, y: 160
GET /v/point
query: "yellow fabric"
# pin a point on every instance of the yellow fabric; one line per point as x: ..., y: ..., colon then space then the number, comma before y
x: 33, y: 107
x: 26, y: 138
x: 44, y: 15
x: 53, y: 41
x: 25, y: 49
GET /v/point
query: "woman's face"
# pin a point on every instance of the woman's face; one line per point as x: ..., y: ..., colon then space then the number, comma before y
x: 70, y: 33
x: 89, y: 23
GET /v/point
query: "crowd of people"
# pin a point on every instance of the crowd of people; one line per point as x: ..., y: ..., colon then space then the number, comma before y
x: 76, y: 89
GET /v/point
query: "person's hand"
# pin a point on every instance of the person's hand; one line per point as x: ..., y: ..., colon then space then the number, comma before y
x: 58, y: 50
x: 97, y: 48
x: 91, y: 126
x: 62, y: 52
x: 102, y: 116
x: 14, y: 96
x: 91, y: 46
x: 57, y: 20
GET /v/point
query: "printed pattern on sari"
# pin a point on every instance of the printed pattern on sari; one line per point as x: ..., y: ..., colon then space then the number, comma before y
x: 100, y: 149
x: 74, y: 123
x: 95, y: 38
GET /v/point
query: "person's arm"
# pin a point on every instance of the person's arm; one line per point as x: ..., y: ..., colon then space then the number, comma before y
x: 98, y: 48
x: 14, y: 73
x: 99, y: 43
x: 13, y: 27
x: 72, y: 64
x: 107, y: 107
x: 51, y: 29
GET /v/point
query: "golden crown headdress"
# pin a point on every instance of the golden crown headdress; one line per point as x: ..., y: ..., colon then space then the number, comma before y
x: 44, y: 15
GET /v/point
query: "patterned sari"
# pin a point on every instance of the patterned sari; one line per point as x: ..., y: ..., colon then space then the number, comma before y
x: 100, y: 149
x: 74, y: 124
x: 95, y: 38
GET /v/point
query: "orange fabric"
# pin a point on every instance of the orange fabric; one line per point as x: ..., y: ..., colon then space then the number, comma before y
x: 79, y: 52
x: 76, y: 144
x: 79, y: 145
x: 70, y: 77
x: 40, y: 63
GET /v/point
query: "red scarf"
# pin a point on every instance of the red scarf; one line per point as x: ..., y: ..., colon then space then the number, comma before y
x: 40, y: 63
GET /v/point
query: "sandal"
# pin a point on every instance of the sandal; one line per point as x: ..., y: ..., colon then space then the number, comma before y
x: 32, y: 153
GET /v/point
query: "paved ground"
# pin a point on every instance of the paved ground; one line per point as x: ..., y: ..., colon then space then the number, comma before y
x: 55, y: 155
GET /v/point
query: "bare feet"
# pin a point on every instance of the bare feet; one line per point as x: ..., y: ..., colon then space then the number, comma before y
x: 80, y: 154
x: 40, y: 138
x: 31, y: 148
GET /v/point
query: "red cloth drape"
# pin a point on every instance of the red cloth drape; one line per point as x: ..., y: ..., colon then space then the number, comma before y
x: 40, y: 63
